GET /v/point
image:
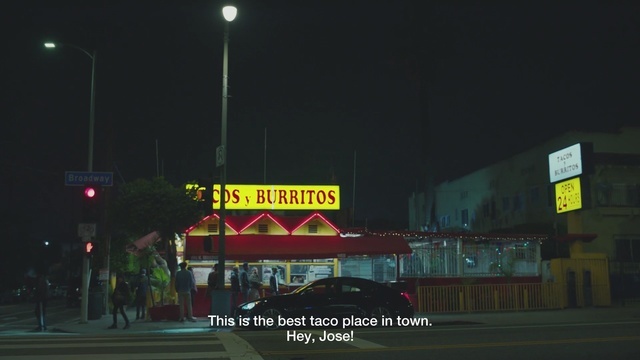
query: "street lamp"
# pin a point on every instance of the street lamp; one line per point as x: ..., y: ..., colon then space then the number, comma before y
x: 93, y: 57
x: 220, y: 304
x: 84, y: 305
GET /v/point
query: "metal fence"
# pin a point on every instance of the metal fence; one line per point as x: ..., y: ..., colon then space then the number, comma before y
x: 490, y: 297
x: 454, y: 258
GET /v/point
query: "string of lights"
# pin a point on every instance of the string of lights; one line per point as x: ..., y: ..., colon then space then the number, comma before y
x: 412, y: 236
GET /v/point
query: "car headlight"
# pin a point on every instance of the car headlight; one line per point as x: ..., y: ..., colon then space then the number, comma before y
x: 249, y: 306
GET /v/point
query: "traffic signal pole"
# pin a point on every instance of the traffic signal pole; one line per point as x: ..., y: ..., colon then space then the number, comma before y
x: 106, y: 283
x: 86, y: 269
x: 90, y: 200
x: 84, y: 301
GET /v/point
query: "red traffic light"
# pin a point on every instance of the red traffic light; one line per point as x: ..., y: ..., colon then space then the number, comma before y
x: 92, y: 203
x: 90, y: 192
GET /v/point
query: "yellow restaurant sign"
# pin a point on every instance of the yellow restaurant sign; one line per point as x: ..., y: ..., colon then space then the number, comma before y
x: 568, y: 195
x: 274, y: 197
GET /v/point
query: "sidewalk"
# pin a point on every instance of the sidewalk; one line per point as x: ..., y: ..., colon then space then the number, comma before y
x: 100, y: 326
x: 543, y: 317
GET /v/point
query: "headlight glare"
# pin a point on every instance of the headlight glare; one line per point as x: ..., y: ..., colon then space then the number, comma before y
x: 250, y: 305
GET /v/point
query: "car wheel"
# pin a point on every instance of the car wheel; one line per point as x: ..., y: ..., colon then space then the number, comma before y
x: 380, y: 312
x: 274, y: 314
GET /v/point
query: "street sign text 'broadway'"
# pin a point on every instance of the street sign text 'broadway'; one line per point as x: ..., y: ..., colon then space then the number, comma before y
x: 79, y: 178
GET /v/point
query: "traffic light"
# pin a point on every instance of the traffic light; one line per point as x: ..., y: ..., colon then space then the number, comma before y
x: 90, y: 192
x: 91, y: 202
x: 89, y: 248
x: 205, y: 196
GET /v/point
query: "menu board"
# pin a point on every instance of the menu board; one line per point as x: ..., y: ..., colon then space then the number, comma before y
x: 201, y: 274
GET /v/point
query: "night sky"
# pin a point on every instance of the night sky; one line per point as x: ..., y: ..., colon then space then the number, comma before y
x: 400, y: 84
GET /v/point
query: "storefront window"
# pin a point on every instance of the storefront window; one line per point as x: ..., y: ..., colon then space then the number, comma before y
x: 265, y: 269
x: 294, y: 272
x: 376, y: 268
x: 304, y: 273
x: 201, y: 273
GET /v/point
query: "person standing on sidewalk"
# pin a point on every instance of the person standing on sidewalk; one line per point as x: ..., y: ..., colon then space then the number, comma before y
x: 234, y: 278
x: 141, y: 295
x: 184, y: 284
x: 120, y: 299
x: 194, y: 289
x: 41, y: 295
x: 212, y: 284
x: 245, y: 286
x: 256, y: 284
x: 273, y: 282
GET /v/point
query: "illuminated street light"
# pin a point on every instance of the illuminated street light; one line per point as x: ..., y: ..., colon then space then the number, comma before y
x: 92, y: 56
x: 222, y: 306
x: 84, y: 305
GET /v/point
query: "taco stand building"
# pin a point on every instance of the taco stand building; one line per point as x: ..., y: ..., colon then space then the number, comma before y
x: 308, y: 247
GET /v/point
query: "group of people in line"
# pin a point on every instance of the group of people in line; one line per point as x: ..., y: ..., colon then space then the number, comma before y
x: 245, y: 286
x: 245, y: 282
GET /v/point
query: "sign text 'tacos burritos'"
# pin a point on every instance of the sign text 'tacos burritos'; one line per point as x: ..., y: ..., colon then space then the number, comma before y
x: 279, y: 197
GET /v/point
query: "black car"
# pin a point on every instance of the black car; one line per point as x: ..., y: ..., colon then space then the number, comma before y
x: 329, y: 298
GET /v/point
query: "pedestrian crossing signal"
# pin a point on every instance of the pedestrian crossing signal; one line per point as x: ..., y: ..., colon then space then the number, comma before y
x: 88, y: 248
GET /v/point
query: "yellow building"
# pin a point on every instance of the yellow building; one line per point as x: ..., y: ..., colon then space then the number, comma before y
x: 516, y: 195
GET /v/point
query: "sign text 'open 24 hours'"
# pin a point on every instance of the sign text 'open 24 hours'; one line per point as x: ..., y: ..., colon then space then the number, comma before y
x: 568, y: 195
x: 279, y: 197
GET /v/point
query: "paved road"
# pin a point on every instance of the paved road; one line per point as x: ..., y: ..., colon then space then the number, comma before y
x: 590, y: 333
x: 584, y: 341
x: 21, y: 316
x: 605, y: 340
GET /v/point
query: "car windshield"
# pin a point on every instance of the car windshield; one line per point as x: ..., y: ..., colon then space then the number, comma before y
x: 310, y: 286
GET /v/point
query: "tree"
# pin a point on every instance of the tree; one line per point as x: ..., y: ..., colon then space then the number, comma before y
x: 504, y: 264
x: 143, y: 206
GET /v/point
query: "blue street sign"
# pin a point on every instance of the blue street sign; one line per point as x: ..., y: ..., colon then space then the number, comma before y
x: 80, y: 178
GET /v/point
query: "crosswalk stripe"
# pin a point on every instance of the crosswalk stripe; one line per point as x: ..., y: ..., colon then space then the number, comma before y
x: 85, y: 344
x: 356, y: 342
x: 139, y: 356
x: 237, y: 347
x: 160, y: 348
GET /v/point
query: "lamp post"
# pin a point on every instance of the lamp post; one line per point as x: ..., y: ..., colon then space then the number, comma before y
x: 93, y: 57
x: 85, y: 261
x: 220, y: 303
